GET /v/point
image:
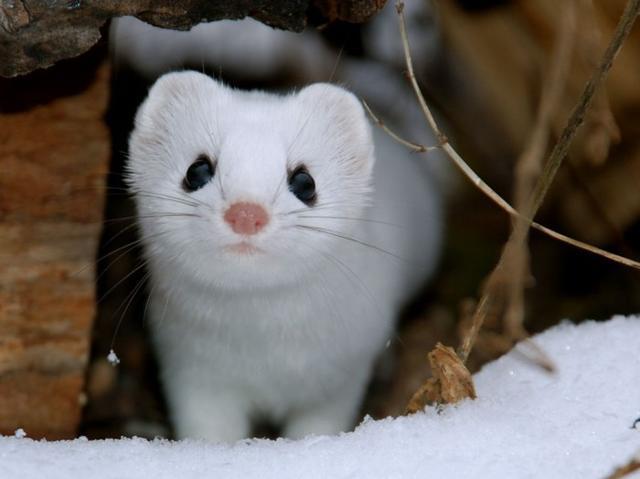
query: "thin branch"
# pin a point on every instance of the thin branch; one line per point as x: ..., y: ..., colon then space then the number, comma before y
x: 623, y: 471
x: 529, y: 164
x: 520, y: 231
x: 524, y: 222
x: 479, y: 182
x: 584, y: 246
x: 442, y: 139
x: 577, y: 115
x: 409, y: 144
x: 537, y: 355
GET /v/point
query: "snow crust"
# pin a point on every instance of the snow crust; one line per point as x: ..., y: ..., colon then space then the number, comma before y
x: 524, y: 424
x: 113, y: 358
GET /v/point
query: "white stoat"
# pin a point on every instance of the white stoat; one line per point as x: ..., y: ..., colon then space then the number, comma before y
x: 279, y: 251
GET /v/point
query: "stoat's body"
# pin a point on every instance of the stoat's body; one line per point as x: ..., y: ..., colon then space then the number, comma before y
x: 274, y: 284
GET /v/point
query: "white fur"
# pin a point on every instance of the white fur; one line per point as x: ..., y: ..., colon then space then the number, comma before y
x: 291, y: 333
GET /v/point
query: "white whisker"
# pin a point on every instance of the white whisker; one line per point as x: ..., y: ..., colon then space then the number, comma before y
x: 343, y: 236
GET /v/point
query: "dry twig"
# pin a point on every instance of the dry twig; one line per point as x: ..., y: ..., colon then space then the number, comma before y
x: 600, y: 130
x: 476, y: 180
x: 632, y: 466
x: 559, y: 152
x: 521, y: 229
x: 409, y: 144
x: 524, y: 221
x: 577, y: 115
x: 529, y: 165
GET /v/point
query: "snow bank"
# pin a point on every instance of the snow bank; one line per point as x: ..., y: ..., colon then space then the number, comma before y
x: 525, y: 423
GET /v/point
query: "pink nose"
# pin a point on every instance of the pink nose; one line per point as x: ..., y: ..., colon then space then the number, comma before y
x: 246, y: 218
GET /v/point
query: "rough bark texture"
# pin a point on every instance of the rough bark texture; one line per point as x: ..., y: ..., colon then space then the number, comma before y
x: 36, y: 34
x: 354, y: 11
x: 53, y: 159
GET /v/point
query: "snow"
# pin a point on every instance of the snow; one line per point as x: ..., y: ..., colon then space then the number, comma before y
x: 113, y: 358
x: 578, y: 422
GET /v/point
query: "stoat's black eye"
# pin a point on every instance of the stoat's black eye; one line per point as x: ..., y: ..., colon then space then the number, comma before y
x: 199, y: 174
x: 302, y: 185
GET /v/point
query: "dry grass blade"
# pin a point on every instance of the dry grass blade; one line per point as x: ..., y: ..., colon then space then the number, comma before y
x: 477, y: 181
x: 536, y: 355
x: 474, y: 178
x: 521, y: 228
x: 529, y: 164
x: 524, y: 221
x: 632, y: 466
x: 559, y: 152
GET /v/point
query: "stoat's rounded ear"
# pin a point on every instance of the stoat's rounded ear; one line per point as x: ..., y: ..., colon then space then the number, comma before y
x: 174, y: 90
x: 345, y: 116
x: 340, y: 105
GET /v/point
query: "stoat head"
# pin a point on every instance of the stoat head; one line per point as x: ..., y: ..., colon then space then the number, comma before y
x: 247, y: 189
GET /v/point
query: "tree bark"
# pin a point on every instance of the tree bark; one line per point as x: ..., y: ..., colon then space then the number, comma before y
x: 36, y: 34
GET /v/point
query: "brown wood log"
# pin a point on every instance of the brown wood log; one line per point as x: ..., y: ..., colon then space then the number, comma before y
x: 53, y: 159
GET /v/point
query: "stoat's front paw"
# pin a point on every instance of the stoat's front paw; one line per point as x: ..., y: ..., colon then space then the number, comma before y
x: 218, y: 418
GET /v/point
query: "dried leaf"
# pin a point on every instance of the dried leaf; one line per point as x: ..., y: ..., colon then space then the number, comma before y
x: 451, y: 381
